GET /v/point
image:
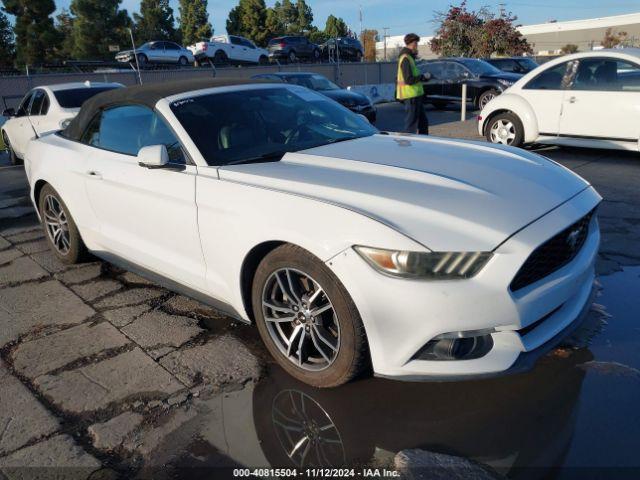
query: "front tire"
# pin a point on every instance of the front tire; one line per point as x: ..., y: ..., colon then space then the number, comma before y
x: 61, y: 231
x: 485, y: 97
x: 307, y: 319
x: 292, y: 57
x: 505, y: 129
x: 142, y: 59
x: 220, y: 58
x: 13, y: 158
x: 183, y: 61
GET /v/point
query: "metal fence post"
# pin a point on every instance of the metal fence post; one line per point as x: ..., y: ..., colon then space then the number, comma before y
x: 463, y: 111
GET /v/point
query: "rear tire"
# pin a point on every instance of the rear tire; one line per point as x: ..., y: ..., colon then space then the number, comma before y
x: 220, y: 58
x: 61, y: 231
x: 292, y: 58
x: 316, y: 56
x: 142, y: 59
x: 263, y: 60
x: 505, y: 129
x: 13, y: 158
x: 330, y: 347
x: 358, y: 56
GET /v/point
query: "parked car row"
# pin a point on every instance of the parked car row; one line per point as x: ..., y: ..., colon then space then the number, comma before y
x: 238, y: 50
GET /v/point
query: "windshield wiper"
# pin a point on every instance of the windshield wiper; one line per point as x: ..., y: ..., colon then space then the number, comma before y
x: 266, y: 157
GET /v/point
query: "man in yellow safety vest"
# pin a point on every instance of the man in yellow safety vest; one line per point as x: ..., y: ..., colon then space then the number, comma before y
x: 409, y: 88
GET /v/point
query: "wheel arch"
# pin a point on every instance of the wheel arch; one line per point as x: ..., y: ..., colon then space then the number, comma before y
x: 248, y: 269
x: 509, y: 102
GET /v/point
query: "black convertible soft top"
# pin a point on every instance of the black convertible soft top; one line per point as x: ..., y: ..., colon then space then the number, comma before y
x: 147, y: 95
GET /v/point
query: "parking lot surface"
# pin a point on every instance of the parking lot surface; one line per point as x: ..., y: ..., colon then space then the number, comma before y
x: 108, y: 375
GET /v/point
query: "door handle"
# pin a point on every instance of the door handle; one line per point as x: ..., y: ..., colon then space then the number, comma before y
x: 94, y: 174
x: 572, y: 99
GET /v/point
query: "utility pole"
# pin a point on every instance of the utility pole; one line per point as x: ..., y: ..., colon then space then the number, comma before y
x: 385, y: 42
x: 361, y: 21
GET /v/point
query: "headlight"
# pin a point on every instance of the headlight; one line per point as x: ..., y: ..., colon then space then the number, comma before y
x: 425, y: 265
x: 65, y: 123
x: 506, y: 83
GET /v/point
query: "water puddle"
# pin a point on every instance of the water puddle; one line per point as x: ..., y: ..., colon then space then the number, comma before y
x: 576, y: 410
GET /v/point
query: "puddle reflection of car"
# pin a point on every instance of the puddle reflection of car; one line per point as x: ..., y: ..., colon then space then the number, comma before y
x: 351, y: 250
x: 509, y: 424
x: 356, y: 102
x: 589, y: 99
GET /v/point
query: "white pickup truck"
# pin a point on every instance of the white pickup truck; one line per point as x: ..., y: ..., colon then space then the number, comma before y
x: 229, y: 49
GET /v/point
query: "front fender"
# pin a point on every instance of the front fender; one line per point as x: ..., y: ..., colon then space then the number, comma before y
x: 518, y: 105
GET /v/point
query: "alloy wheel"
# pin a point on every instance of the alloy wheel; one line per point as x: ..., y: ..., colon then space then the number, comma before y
x: 502, y: 131
x: 301, y: 319
x: 305, y: 431
x: 57, y: 225
x: 486, y: 99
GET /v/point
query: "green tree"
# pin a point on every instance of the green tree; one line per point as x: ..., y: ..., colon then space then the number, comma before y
x: 273, y: 24
x: 335, y: 27
x: 97, y: 26
x: 7, y: 42
x: 34, y: 30
x: 155, y: 21
x: 194, y: 21
x: 288, y: 15
x: 253, y: 15
x: 304, y: 17
x: 569, y: 48
x: 234, y: 24
x: 64, y: 27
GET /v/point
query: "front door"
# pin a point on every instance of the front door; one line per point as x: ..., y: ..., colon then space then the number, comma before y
x: 545, y: 94
x: 145, y: 216
x: 603, y: 101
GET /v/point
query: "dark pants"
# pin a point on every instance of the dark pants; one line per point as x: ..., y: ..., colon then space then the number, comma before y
x: 415, y: 118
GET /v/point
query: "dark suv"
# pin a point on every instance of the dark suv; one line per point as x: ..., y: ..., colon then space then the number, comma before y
x: 293, y: 49
x: 513, y: 64
x: 484, y: 81
x: 356, y: 102
x: 346, y: 49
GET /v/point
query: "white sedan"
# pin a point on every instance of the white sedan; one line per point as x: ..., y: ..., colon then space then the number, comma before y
x: 422, y: 257
x: 589, y: 99
x: 44, y: 110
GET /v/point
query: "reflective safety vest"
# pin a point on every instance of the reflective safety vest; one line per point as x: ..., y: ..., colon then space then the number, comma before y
x: 404, y: 90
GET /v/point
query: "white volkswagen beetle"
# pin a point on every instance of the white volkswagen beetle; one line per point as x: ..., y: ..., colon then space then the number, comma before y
x: 44, y: 110
x: 589, y: 99
x: 422, y: 257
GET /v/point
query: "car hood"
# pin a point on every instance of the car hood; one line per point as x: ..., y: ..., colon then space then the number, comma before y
x: 447, y: 195
x: 125, y: 52
x: 510, y: 77
x: 345, y: 96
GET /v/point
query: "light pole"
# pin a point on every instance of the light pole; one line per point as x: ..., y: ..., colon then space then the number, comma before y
x: 133, y: 44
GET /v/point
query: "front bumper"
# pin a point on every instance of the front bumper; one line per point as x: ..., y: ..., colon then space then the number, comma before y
x: 400, y: 316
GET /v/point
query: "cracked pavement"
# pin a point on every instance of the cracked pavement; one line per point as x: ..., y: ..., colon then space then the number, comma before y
x: 103, y: 371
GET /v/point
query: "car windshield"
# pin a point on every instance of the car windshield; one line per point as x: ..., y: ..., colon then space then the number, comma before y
x: 75, y: 97
x: 480, y: 67
x: 314, y: 82
x: 262, y: 124
x: 527, y: 63
x: 144, y: 45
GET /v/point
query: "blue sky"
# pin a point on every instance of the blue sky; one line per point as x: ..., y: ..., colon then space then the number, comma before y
x: 403, y: 16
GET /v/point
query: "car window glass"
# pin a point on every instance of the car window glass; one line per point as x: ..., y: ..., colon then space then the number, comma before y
x: 508, y: 65
x: 36, y: 104
x: 435, y: 69
x: 45, y: 105
x: 607, y: 74
x: 155, y: 46
x: 247, y: 43
x: 235, y: 40
x: 554, y: 78
x: 126, y: 129
x: 75, y: 97
x: 171, y: 46
x: 24, y: 105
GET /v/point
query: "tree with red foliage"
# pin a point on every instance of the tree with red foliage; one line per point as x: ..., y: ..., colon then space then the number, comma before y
x: 468, y: 33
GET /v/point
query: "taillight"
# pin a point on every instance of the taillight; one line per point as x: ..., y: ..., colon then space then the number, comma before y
x: 282, y: 44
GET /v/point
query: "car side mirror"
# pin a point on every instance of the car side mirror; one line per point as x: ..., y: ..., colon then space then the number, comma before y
x: 9, y: 112
x: 153, y: 156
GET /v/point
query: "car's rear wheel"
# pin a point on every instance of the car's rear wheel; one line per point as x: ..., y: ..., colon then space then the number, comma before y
x: 220, y: 58
x: 263, y: 60
x: 485, y: 97
x: 292, y: 57
x: 307, y: 319
x: 62, y: 232
x: 358, y: 56
x: 316, y: 55
x: 506, y: 129
x: 13, y: 158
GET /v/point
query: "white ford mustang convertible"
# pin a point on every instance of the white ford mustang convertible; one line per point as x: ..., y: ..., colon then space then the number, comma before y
x: 350, y: 249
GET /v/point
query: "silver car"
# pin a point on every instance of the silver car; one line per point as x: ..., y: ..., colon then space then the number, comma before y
x: 157, y: 52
